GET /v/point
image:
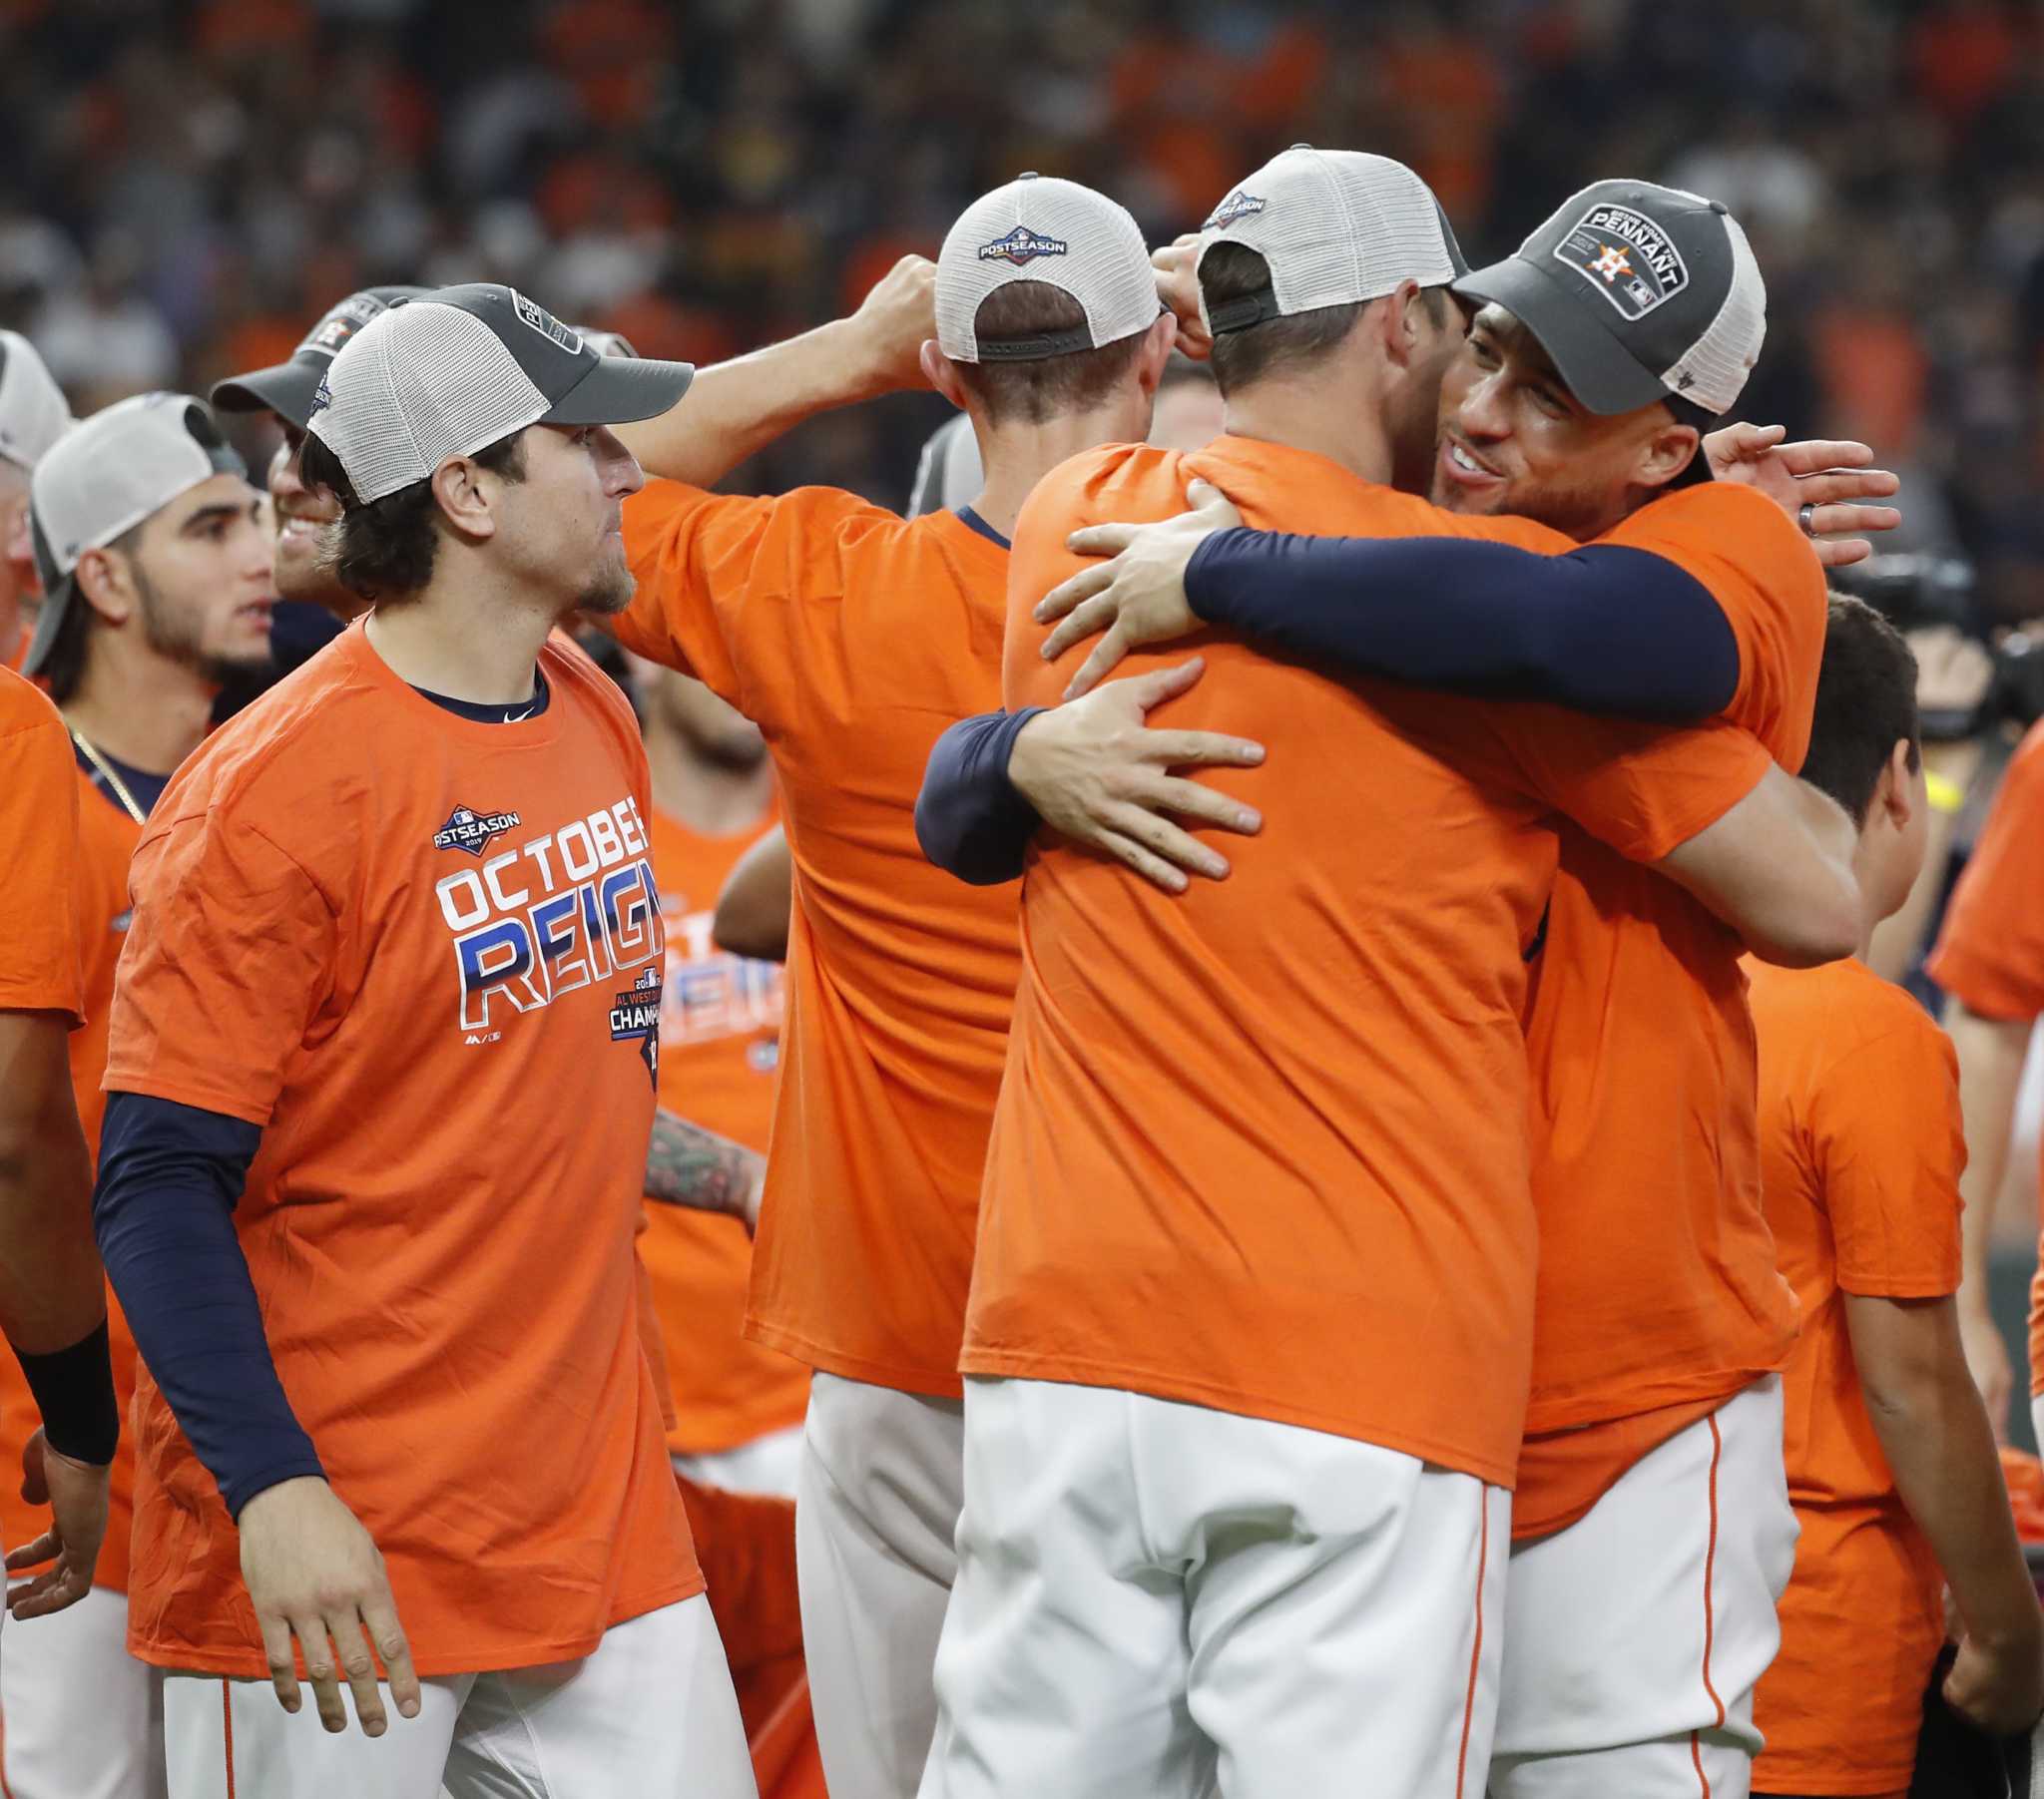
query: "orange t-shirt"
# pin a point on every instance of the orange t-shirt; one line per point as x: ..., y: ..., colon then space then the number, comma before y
x: 41, y: 967
x: 1658, y: 1292
x: 852, y: 639
x: 424, y: 954
x: 106, y: 838
x: 1990, y: 953
x: 1264, y: 1147
x: 1861, y: 1150
x: 720, y: 1043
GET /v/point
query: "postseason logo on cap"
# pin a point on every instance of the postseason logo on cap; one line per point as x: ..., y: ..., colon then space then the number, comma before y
x: 1234, y: 210
x: 1626, y: 256
x: 1022, y: 247
x: 545, y: 323
x: 341, y: 323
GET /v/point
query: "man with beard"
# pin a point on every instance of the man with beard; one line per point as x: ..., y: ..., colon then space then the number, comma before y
x: 380, y: 1078
x: 1744, y: 830
x: 33, y: 415
x: 164, y: 597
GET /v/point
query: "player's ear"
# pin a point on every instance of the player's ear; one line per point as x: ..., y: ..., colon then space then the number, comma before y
x: 1902, y: 793
x: 1403, y: 324
x: 939, y: 372
x: 1664, y: 454
x: 107, y: 583
x: 20, y: 544
x: 458, y: 491
x: 1155, y: 352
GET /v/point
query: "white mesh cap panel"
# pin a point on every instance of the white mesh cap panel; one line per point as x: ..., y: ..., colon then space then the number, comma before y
x: 1714, y: 372
x: 33, y: 410
x: 1337, y: 227
x: 417, y: 385
x: 1041, y: 228
x: 106, y: 475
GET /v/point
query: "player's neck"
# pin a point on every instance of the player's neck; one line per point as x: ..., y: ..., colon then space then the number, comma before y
x: 463, y: 640
x: 1018, y: 455
x: 140, y: 708
x: 1344, y: 427
x: 711, y: 798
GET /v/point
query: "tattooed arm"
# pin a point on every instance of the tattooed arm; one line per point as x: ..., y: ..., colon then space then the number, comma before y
x: 687, y: 1165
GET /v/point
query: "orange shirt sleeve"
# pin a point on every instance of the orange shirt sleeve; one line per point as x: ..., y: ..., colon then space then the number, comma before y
x: 41, y: 967
x: 1888, y: 1146
x: 1771, y: 591
x: 723, y: 580
x: 1990, y: 953
x: 229, y: 958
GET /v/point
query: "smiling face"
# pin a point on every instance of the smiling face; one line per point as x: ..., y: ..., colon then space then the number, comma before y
x: 1512, y: 438
x: 301, y: 515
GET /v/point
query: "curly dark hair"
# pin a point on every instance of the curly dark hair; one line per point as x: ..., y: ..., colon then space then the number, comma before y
x: 383, y: 551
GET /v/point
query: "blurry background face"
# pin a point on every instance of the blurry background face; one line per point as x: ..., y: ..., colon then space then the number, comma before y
x: 707, y: 726
x: 201, y: 573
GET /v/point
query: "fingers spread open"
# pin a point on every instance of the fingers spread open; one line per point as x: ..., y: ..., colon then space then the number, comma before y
x: 1153, y: 869
x: 1190, y: 800
x: 1809, y: 455
x: 1095, y: 668
x: 1090, y: 616
x: 1186, y: 749
x: 1069, y: 591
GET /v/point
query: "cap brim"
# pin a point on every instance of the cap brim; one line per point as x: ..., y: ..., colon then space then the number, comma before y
x: 286, y: 390
x: 1600, y: 371
x: 621, y: 392
x: 57, y: 601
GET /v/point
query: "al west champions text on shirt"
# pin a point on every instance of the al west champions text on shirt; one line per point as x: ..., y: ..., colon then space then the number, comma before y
x: 545, y: 915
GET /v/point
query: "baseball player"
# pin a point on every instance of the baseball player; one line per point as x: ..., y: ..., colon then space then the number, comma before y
x: 851, y: 636
x: 33, y: 415
x: 286, y: 391
x: 382, y: 1063
x: 1891, y: 1463
x: 1051, y: 1285
x: 52, y: 1300
x: 1989, y: 960
x: 740, y: 1406
x: 163, y: 594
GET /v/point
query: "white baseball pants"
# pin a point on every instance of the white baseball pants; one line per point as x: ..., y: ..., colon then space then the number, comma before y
x: 876, y: 1512
x: 80, y: 1717
x: 649, y: 1710
x: 1163, y: 1600
x: 770, y: 1464
x: 1634, y: 1638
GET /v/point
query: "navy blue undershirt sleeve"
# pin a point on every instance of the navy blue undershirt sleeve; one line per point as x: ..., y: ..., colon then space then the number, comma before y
x: 1604, y: 629
x: 169, y: 1178
x: 968, y: 819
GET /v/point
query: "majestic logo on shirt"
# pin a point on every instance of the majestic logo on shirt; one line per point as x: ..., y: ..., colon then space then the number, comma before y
x: 1022, y: 247
x: 635, y: 1014
x: 1237, y: 206
x: 475, y: 831
x: 550, y: 913
x: 1624, y: 257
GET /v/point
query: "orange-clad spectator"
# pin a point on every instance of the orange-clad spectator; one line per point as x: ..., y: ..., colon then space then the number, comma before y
x: 33, y: 415
x: 1989, y: 960
x: 1891, y: 1466
x: 134, y: 644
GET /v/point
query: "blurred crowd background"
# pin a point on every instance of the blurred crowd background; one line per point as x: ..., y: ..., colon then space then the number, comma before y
x: 189, y: 184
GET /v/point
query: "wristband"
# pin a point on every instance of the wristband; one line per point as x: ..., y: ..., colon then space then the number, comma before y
x: 74, y: 1390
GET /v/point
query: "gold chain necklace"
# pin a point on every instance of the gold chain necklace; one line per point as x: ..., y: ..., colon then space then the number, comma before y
x: 106, y: 773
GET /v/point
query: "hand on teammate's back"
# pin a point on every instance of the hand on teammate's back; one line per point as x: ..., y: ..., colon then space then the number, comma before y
x: 1137, y: 597
x: 1830, y: 475
x: 314, y: 1574
x: 76, y: 1493
x: 1097, y: 775
x: 893, y: 322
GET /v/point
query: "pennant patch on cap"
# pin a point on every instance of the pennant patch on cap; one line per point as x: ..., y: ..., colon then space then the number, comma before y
x: 1022, y: 247
x: 341, y: 323
x: 546, y: 324
x: 1626, y: 256
x: 1237, y: 206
